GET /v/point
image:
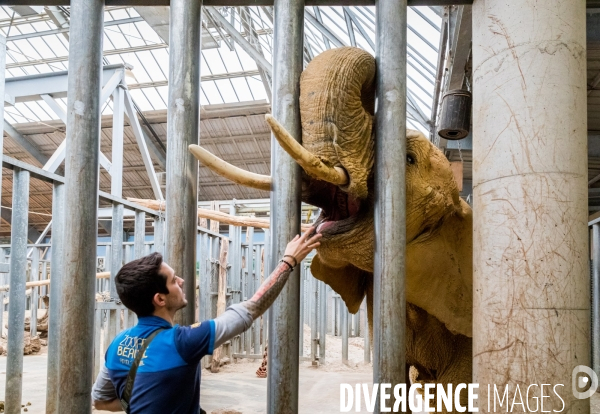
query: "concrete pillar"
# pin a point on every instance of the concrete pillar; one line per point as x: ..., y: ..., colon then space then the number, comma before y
x: 531, y: 316
x: 182, y: 130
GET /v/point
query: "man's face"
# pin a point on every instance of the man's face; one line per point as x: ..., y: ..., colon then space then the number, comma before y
x: 175, y: 298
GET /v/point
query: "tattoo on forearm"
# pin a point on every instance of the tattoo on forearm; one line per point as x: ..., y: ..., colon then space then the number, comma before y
x: 268, y: 291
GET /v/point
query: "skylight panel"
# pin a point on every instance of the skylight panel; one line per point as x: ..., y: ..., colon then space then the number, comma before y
x: 246, y: 63
x: 227, y: 91
x: 242, y: 89
x: 49, y: 112
x: 213, y: 61
x: 150, y: 65
x: 116, y: 38
x: 230, y: 59
x: 28, y: 51
x: 162, y: 59
x: 154, y: 98
x: 56, y: 45
x: 140, y: 100
x: 118, y: 14
x: 212, y: 93
x: 147, y: 33
x: 25, y: 114
x: 141, y: 76
x: 39, y: 112
x: 203, y: 99
x: 130, y: 33
x: 257, y: 88
x: 163, y: 91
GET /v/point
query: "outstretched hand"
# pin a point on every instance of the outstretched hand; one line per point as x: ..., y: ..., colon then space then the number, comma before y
x: 301, y: 246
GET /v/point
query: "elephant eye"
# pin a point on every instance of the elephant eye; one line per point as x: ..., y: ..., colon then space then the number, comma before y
x: 410, y: 159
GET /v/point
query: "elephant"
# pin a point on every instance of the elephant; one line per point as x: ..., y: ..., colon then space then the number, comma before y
x: 337, y: 99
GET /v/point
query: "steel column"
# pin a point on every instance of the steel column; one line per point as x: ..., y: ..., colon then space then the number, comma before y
x: 182, y: 130
x: 81, y: 167
x: 390, y: 190
x: 282, y: 388
x: 57, y: 272
x: 34, y: 276
x: 596, y: 298
x: 140, y: 234
x: 322, y: 321
x: 17, y: 300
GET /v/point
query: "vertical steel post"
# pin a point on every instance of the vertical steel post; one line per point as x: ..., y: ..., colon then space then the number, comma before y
x: 57, y: 272
x: 2, y: 86
x: 596, y: 298
x: 182, y: 130
x: 303, y: 306
x: 158, y: 235
x: 390, y: 191
x: 256, y: 332
x: 34, y: 276
x: 323, y: 320
x: 314, y: 298
x: 344, y: 329
x: 140, y: 235
x: 16, y: 304
x: 282, y: 382
x: 116, y: 188
x: 81, y: 172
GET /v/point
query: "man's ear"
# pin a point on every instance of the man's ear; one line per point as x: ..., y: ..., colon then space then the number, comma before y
x: 159, y: 300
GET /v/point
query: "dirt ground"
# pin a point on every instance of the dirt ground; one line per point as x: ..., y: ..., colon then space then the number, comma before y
x: 237, y: 389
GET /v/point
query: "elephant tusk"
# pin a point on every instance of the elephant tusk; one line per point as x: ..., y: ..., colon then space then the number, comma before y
x: 231, y: 172
x: 309, y: 162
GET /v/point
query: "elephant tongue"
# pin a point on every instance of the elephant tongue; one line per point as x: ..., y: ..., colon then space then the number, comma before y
x: 324, y: 226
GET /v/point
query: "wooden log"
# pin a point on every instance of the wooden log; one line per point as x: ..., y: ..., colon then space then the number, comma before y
x: 242, y: 221
x: 214, y: 223
x: 5, y: 288
x: 221, y: 297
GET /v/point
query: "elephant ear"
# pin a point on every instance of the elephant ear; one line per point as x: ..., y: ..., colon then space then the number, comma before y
x: 439, y: 272
x: 348, y: 281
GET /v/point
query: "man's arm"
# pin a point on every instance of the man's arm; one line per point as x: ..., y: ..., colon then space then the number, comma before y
x: 114, y: 405
x: 237, y: 318
x: 104, y: 395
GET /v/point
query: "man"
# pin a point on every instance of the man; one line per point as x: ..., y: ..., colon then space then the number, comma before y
x: 168, y: 377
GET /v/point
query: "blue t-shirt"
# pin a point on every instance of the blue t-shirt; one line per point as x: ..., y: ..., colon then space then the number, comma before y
x: 168, y: 377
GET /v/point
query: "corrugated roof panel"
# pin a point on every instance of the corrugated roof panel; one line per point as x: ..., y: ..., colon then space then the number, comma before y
x: 237, y: 125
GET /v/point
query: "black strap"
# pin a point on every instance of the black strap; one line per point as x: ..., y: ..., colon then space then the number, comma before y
x: 133, y: 371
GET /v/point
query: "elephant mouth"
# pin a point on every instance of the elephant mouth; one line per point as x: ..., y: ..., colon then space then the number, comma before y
x: 339, y: 210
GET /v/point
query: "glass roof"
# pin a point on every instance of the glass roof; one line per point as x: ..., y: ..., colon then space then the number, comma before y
x: 37, y: 42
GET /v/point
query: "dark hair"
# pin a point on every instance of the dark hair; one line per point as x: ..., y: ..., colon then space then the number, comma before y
x: 138, y: 281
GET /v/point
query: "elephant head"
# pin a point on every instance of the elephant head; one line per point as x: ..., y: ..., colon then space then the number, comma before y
x: 337, y: 95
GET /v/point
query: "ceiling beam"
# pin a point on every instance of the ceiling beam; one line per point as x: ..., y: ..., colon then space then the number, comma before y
x: 231, y: 3
x: 24, y: 143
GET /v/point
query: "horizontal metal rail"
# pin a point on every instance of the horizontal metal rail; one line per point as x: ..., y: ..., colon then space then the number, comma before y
x: 248, y: 2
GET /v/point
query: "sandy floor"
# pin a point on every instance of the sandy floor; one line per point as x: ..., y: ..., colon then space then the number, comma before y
x: 236, y: 389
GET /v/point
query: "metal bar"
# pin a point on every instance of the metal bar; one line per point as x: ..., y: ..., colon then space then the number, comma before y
x: 57, y: 272
x: 314, y: 314
x: 439, y: 75
x: 24, y: 143
x: 349, y: 28
x: 82, y: 162
x: 390, y: 190
x: 159, y: 240
x: 66, y: 30
x: 233, y: 3
x: 344, y: 329
x: 324, y: 30
x: 116, y: 246
x: 367, y: 337
x: 34, y: 276
x: 241, y: 40
x: 2, y: 94
x: 139, y: 137
x: 596, y: 298
x: 304, y: 307
x: 182, y: 130
x: 282, y: 381
x: 140, y: 235
x: 322, y: 320
x: 16, y: 304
